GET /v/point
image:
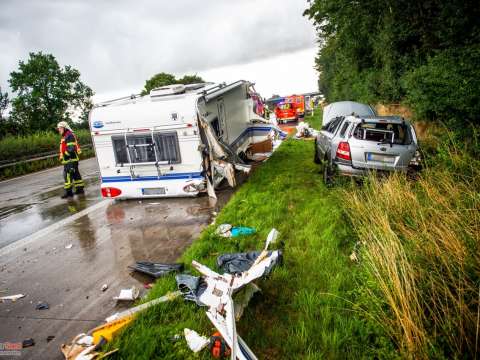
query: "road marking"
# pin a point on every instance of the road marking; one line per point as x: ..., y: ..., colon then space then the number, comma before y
x: 45, y: 231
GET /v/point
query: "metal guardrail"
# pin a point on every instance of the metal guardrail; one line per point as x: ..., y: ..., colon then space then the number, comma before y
x: 49, y: 155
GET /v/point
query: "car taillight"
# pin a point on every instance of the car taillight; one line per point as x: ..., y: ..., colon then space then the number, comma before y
x: 110, y: 192
x: 343, y: 151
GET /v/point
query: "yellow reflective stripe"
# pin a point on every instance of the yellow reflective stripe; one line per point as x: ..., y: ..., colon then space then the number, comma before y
x: 71, y: 143
x: 68, y: 183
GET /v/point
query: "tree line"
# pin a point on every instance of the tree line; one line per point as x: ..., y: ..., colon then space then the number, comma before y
x: 422, y: 53
x: 46, y: 93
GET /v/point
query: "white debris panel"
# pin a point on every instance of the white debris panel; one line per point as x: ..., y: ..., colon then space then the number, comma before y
x: 218, y: 296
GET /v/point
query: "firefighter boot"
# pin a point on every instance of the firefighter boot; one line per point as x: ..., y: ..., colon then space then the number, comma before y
x: 68, y: 194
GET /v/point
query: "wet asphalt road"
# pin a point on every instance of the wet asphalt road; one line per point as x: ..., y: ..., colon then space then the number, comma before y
x: 106, y: 236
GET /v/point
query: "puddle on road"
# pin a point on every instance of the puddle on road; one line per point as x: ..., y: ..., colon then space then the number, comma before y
x: 159, y: 230
x: 20, y: 220
x: 6, y: 211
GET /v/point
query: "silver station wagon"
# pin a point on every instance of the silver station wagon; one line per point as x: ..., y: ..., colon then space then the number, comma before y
x: 353, y: 145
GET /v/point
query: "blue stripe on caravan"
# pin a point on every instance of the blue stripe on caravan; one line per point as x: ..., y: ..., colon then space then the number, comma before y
x: 251, y: 130
x: 175, y: 176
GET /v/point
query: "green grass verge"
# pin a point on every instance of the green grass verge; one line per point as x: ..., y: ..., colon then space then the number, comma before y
x: 306, y: 309
x: 315, y: 120
x: 37, y: 144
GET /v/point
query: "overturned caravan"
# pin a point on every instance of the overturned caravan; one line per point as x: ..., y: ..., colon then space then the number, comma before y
x: 179, y: 140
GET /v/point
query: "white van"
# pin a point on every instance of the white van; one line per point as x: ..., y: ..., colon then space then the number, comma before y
x: 177, y: 141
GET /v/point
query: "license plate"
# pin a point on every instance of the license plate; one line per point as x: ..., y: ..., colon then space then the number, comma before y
x: 154, y: 191
x: 381, y: 158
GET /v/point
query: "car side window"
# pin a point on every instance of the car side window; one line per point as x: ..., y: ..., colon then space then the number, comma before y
x: 344, y: 129
x: 332, y: 126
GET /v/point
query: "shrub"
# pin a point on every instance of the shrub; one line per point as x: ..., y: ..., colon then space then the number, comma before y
x: 447, y: 87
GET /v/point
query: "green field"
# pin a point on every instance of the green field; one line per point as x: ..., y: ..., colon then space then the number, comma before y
x: 36, y: 145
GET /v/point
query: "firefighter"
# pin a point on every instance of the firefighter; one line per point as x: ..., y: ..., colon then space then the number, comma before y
x: 69, y: 156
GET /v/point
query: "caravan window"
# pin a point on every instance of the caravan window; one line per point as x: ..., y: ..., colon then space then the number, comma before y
x: 143, y: 149
x: 120, y: 149
x: 167, y: 147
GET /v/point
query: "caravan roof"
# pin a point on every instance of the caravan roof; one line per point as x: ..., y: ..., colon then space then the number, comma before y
x: 169, y: 105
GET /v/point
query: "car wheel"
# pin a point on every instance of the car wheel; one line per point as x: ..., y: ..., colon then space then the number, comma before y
x: 316, y: 159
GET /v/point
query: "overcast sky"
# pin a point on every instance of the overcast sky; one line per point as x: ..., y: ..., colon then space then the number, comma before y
x: 118, y: 44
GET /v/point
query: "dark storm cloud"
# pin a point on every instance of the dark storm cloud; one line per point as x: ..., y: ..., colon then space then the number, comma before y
x: 118, y: 44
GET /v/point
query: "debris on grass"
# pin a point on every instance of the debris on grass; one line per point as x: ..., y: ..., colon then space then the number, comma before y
x: 217, y: 296
x: 305, y: 131
x: 195, y: 341
x: 227, y: 230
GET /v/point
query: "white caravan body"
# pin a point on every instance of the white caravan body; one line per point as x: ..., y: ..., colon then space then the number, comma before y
x: 157, y: 145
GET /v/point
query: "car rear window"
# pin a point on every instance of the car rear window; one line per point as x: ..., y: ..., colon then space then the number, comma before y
x: 383, y: 132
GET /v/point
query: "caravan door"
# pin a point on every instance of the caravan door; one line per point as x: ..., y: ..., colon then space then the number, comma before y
x: 222, y: 120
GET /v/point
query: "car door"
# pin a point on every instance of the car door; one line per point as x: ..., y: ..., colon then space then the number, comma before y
x: 329, y: 134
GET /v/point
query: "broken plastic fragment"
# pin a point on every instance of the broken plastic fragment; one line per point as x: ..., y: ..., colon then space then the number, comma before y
x: 155, y: 269
x: 12, y: 298
x: 104, y: 287
x: 128, y: 294
x: 42, y: 306
x: 69, y: 246
x: 243, y: 297
x: 224, y: 230
x: 194, y: 341
x: 28, y: 343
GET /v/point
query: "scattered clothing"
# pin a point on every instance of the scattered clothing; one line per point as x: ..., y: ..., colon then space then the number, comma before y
x: 191, y: 287
x: 240, y: 262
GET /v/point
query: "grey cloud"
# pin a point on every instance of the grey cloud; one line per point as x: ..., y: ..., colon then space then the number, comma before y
x: 119, y: 44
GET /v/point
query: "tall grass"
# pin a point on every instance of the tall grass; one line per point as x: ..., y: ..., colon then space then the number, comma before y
x: 421, y: 254
x: 17, y: 147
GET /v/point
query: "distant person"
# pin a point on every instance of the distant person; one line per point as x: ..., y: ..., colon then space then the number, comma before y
x: 69, y: 156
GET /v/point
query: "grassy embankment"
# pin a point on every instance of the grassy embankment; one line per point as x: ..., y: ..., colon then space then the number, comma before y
x: 30, y: 146
x: 420, y: 254
x: 413, y: 294
x: 306, y: 307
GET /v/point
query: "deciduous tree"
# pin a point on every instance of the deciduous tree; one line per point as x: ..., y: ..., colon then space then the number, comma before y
x: 45, y: 92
